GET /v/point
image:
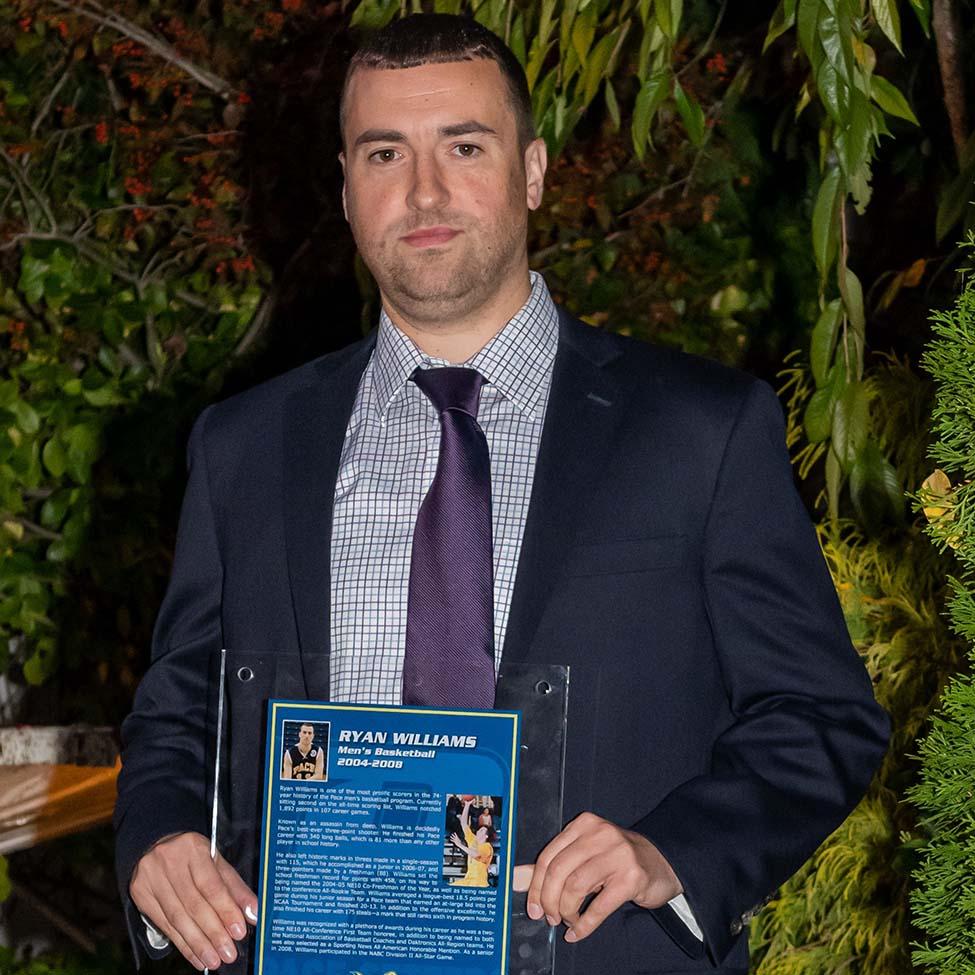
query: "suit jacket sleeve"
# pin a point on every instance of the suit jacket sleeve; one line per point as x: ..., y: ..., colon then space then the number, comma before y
x: 807, y: 734
x: 162, y: 785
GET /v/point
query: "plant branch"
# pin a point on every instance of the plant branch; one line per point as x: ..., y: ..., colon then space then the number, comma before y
x: 946, y: 25
x: 109, y: 18
x: 706, y: 46
x: 30, y: 526
x: 24, y: 184
x: 261, y: 319
x: 49, y: 101
x: 95, y: 254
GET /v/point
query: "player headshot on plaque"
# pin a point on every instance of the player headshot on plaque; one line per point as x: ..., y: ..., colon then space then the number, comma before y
x: 305, y: 751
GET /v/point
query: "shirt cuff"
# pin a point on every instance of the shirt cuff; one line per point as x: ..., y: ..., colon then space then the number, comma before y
x: 684, y: 912
x: 155, y: 938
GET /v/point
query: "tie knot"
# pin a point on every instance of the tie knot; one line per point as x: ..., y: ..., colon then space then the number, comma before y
x: 451, y: 388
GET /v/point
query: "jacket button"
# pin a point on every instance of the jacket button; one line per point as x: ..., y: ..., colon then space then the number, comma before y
x: 736, y: 926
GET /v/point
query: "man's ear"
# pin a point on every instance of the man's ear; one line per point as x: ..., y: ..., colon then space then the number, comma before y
x: 536, y: 162
x: 345, y: 208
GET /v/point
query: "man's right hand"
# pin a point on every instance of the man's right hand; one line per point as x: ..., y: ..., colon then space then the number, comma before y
x: 200, y: 904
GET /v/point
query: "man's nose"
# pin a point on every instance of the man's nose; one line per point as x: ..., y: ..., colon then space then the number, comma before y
x: 428, y: 190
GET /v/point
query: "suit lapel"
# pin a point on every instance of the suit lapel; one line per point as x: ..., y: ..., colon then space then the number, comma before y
x: 584, y: 409
x: 315, y: 420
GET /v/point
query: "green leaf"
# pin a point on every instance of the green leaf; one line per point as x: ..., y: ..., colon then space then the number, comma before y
x: 834, y: 483
x: 54, y: 457
x: 107, y: 395
x: 543, y: 94
x: 922, y: 10
x: 782, y: 20
x: 40, y: 664
x: 852, y: 293
x: 890, y: 99
x: 650, y: 98
x: 824, y: 222
x: 583, y: 31
x: 373, y: 14
x: 888, y: 20
x: 691, y: 114
x: 851, y: 423
x: 824, y: 340
x: 856, y: 142
x: 818, y: 417
x: 807, y: 18
x: 55, y: 509
x: 875, y: 489
x: 595, y: 69
x: 517, y: 41
x: 662, y: 9
x: 26, y: 416
x: 82, y: 441
x: 5, y: 887
x: 612, y: 105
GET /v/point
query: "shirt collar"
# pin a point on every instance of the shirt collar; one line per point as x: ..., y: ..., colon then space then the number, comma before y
x: 518, y: 360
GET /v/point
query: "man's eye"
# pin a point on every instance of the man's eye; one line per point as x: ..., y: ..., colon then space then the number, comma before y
x: 384, y: 155
x: 467, y: 149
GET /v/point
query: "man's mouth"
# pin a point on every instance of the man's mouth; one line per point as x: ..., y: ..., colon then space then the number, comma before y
x: 431, y: 236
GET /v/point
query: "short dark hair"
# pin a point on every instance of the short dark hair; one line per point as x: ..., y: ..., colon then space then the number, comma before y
x: 438, y: 39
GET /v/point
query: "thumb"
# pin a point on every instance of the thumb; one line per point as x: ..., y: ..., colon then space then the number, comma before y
x: 243, y: 896
x: 521, y: 877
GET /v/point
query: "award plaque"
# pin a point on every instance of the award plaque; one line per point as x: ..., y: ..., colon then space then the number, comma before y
x: 387, y: 840
x: 258, y: 698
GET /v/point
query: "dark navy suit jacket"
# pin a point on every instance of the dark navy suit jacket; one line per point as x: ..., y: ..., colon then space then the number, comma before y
x: 716, y: 703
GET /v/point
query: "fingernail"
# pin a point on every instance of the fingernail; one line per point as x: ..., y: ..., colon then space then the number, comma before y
x: 238, y: 931
x: 250, y: 914
x: 551, y: 920
x: 570, y: 935
x: 534, y: 911
x: 211, y: 959
x: 228, y: 951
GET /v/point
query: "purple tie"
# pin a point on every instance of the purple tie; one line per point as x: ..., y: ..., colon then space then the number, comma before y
x: 450, y: 613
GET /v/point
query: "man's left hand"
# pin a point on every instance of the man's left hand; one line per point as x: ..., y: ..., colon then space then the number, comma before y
x: 594, y: 856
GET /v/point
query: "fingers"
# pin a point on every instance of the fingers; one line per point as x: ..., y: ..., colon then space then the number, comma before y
x: 243, y: 896
x: 200, y: 904
x: 180, y: 925
x: 152, y: 909
x: 592, y: 856
x: 611, y: 897
x: 213, y: 909
x: 536, y: 909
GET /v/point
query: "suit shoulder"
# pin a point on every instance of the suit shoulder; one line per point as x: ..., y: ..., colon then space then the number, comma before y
x: 691, y: 382
x: 253, y: 408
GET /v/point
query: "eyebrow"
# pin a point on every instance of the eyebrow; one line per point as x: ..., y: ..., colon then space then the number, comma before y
x: 445, y: 132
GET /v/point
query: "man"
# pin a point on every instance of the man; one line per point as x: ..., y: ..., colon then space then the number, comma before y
x: 304, y: 760
x: 645, y: 531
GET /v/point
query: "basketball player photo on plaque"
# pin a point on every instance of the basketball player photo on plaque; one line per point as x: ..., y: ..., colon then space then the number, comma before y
x: 387, y: 840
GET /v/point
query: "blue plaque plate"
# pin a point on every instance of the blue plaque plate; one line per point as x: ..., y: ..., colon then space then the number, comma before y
x: 387, y: 840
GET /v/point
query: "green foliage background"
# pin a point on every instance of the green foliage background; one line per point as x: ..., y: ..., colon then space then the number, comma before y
x: 738, y: 180
x: 942, y: 898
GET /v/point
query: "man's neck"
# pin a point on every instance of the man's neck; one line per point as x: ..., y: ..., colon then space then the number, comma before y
x: 462, y: 336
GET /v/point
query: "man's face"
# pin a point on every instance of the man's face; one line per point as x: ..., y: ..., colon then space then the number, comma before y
x: 437, y: 191
x: 481, y: 835
x: 306, y: 735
